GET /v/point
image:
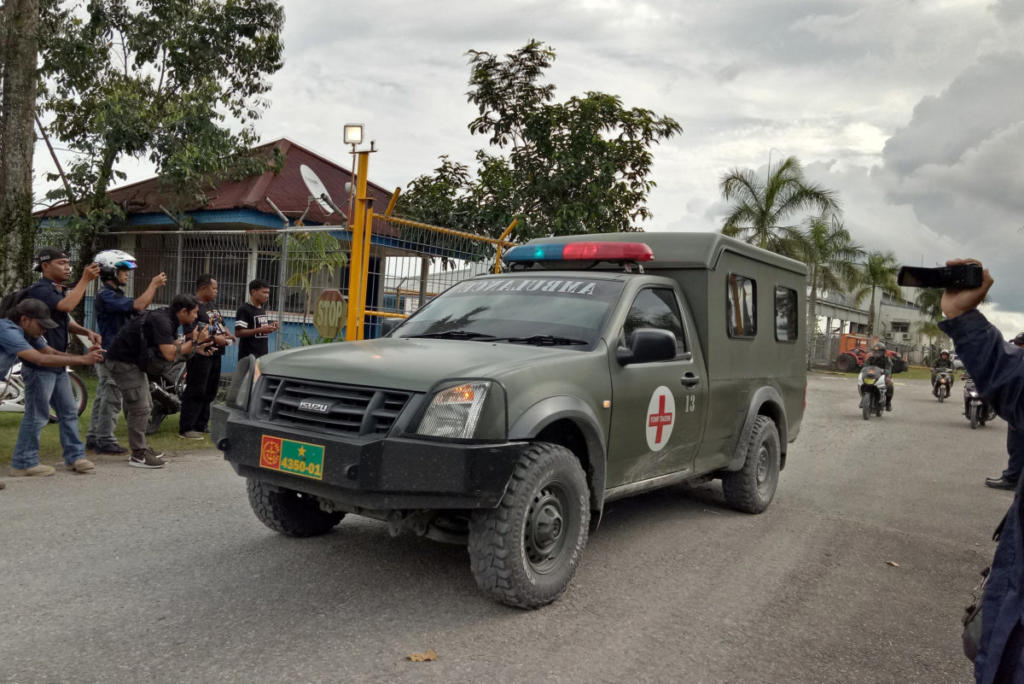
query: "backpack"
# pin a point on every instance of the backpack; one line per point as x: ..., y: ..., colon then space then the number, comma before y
x: 11, y: 300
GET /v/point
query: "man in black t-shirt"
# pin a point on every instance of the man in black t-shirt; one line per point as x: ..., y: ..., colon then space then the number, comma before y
x: 202, y: 377
x: 252, y: 325
x: 143, y: 340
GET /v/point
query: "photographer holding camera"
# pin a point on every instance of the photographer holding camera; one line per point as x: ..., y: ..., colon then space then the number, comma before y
x: 144, y: 344
x: 997, y: 369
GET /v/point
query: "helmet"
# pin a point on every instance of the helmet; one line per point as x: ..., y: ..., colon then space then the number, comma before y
x: 1019, y: 340
x: 944, y: 351
x: 113, y: 260
x: 878, y: 347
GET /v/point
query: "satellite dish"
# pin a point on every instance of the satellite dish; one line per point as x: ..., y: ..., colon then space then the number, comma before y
x: 316, y: 187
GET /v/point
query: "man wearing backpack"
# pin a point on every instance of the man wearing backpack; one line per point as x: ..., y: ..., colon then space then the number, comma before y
x: 46, y: 385
x: 143, y: 341
x: 113, y: 309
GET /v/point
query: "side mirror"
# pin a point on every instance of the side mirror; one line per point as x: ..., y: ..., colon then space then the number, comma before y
x: 647, y: 345
x: 389, y: 324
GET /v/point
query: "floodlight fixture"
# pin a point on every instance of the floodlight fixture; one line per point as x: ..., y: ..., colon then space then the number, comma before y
x: 353, y: 134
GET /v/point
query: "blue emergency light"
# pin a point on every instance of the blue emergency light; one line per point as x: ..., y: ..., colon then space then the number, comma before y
x: 579, y: 251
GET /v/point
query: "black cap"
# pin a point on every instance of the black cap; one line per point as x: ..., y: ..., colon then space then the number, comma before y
x: 47, y: 254
x: 34, y: 308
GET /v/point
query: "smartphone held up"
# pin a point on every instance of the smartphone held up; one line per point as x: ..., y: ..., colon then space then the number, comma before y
x: 958, y: 277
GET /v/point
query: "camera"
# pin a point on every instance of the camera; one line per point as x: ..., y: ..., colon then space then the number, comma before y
x: 959, y: 277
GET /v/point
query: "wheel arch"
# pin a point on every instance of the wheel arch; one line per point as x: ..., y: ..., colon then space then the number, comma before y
x: 569, y: 422
x: 766, y: 401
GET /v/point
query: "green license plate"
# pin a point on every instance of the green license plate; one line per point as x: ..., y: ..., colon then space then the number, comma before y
x: 295, y: 458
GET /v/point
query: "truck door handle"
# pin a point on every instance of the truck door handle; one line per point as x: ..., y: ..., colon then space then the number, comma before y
x: 689, y: 379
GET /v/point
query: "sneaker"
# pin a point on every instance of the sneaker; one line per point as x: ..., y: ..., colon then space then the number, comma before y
x: 1000, y: 482
x: 91, y: 445
x: 110, y: 448
x: 191, y: 434
x: 35, y: 471
x: 146, y: 459
x: 82, y: 465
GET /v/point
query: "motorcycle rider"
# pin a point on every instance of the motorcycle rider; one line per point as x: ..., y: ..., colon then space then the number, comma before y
x: 942, y: 363
x: 113, y: 309
x: 884, y: 361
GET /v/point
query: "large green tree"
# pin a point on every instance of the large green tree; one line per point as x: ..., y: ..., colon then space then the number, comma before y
x: 831, y: 256
x: 877, y: 273
x: 19, y: 41
x: 578, y: 166
x: 179, y: 82
x: 767, y: 212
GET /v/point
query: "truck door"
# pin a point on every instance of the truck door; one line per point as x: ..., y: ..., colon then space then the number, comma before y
x: 657, y: 408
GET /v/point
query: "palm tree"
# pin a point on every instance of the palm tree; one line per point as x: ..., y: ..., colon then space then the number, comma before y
x: 762, y: 208
x: 929, y: 301
x: 877, y: 273
x: 830, y: 255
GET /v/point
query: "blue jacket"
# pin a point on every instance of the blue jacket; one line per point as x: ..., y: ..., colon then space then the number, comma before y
x: 113, y: 309
x: 997, y: 369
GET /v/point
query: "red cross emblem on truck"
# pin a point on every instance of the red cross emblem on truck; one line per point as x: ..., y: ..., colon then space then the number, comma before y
x: 660, y: 419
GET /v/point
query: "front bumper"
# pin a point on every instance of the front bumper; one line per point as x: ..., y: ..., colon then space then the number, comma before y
x: 374, y: 472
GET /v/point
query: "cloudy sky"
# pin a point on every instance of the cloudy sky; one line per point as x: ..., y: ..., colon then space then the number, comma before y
x: 913, y: 111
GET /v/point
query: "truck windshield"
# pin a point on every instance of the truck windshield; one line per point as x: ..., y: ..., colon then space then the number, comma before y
x: 542, y: 311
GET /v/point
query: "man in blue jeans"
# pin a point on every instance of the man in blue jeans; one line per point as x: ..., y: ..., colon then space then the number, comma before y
x: 46, y: 386
x: 21, y: 338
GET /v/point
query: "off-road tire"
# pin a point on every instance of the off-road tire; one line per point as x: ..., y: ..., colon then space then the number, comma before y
x: 513, y: 557
x: 289, y: 512
x: 752, y: 488
x: 846, y: 363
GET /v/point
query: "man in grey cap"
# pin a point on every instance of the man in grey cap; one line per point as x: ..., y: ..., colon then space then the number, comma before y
x: 21, y: 338
x: 51, y: 386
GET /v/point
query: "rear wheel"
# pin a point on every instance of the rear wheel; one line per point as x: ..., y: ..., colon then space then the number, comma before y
x: 752, y: 488
x: 289, y: 512
x: 846, y: 363
x: 525, y: 552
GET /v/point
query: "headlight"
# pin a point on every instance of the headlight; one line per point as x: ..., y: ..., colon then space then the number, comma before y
x: 455, y: 411
x: 869, y: 381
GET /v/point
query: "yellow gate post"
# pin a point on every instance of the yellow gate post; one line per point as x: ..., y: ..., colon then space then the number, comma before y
x: 358, y: 261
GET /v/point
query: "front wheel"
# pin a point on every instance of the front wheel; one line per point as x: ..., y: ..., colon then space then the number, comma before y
x: 865, y: 407
x: 752, y: 488
x: 291, y: 513
x: 80, y: 394
x: 974, y: 417
x: 524, y: 553
x: 942, y: 393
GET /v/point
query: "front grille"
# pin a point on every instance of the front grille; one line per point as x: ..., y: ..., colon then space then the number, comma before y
x: 354, y: 410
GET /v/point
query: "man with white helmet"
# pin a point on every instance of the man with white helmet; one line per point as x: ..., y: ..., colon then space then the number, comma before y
x: 113, y: 309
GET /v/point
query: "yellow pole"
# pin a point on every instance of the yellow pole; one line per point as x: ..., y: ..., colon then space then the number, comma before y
x: 355, y: 264
x: 367, y: 235
x: 497, y: 256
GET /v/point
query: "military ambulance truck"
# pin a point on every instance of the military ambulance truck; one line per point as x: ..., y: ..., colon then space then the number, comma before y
x: 507, y: 412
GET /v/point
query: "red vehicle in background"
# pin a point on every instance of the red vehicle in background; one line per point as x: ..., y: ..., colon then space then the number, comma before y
x: 854, y: 349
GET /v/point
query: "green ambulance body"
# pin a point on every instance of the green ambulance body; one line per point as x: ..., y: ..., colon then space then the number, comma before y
x: 507, y: 412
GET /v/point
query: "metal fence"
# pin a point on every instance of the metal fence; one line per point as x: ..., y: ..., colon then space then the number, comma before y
x: 403, y: 265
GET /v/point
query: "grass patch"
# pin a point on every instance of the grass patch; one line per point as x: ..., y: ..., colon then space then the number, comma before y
x: 912, y: 373
x: 49, y: 442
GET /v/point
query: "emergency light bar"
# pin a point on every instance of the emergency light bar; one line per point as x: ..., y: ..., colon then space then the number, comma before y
x: 580, y: 251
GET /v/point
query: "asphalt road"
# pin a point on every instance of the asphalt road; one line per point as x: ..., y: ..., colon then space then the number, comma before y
x: 858, y: 572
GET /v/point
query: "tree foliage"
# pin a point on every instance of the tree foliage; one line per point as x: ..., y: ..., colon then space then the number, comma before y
x: 763, y: 209
x: 560, y: 168
x: 878, y: 272
x: 831, y: 256
x: 177, y: 82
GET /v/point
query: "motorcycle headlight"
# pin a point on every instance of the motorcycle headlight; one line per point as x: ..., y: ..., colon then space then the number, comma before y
x: 467, y: 410
x: 869, y: 381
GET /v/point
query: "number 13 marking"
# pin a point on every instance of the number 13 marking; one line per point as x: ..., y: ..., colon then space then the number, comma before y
x: 690, y: 403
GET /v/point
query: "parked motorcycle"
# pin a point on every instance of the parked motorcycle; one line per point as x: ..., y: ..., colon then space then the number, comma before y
x: 12, y: 394
x: 976, y: 409
x: 941, y: 383
x: 165, y: 388
x: 873, y: 390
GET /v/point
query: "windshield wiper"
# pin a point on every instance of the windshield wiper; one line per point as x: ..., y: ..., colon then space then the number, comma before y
x: 455, y: 335
x: 541, y: 340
